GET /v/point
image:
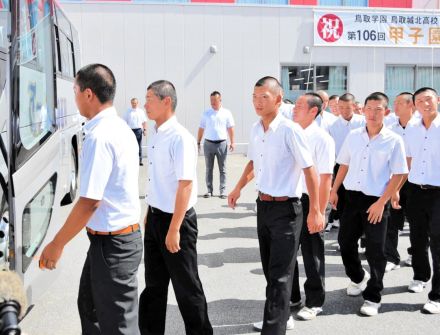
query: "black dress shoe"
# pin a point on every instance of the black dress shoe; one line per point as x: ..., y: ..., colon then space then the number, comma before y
x: 141, y: 164
x: 208, y: 195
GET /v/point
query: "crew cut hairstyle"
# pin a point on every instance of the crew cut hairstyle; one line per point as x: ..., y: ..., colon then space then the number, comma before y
x: 99, y: 79
x: 213, y: 94
x: 407, y: 95
x: 422, y: 90
x: 314, y: 100
x: 273, y: 82
x: 163, y: 89
x: 378, y: 96
x: 347, y: 97
x: 334, y: 96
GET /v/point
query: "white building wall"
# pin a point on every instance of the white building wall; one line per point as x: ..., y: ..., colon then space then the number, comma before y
x: 142, y: 43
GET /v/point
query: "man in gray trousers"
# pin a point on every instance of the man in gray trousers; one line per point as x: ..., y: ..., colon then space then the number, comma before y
x: 217, y: 122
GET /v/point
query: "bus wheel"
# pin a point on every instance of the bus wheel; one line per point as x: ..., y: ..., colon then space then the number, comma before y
x: 71, y: 195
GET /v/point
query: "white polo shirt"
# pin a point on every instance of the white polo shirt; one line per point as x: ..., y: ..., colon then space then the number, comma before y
x: 399, y: 130
x: 172, y: 156
x: 216, y: 123
x: 325, y: 120
x: 372, y: 162
x: 110, y: 171
x: 341, y: 127
x: 286, y: 110
x: 322, y: 148
x: 423, y: 146
x: 135, y: 118
x: 279, y: 155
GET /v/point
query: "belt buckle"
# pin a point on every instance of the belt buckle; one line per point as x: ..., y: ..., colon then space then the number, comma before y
x: 423, y: 187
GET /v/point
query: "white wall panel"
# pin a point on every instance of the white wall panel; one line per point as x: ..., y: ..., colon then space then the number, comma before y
x: 143, y: 43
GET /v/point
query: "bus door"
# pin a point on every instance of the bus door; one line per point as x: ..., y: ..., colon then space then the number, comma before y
x: 34, y: 148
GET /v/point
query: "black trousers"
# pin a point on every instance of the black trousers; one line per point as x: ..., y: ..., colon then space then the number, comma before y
x: 138, y: 133
x: 181, y: 268
x: 279, y: 228
x: 396, y: 223
x: 312, y: 249
x: 354, y: 222
x: 108, y: 297
x: 423, y: 208
x: 336, y: 214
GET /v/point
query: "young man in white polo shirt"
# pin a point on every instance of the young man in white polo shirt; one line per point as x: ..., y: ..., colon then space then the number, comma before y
x: 423, y: 198
x: 322, y: 148
x: 404, y: 110
x: 109, y: 208
x: 170, y: 240
x: 216, y: 124
x: 372, y: 166
x: 277, y: 154
x: 346, y: 122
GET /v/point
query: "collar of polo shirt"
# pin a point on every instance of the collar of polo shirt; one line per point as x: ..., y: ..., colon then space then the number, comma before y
x: 167, y: 124
x: 110, y: 111
x: 275, y: 122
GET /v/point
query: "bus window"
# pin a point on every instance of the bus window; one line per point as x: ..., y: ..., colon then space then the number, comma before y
x: 66, y: 55
x: 36, y: 219
x: 3, y: 28
x: 36, y: 85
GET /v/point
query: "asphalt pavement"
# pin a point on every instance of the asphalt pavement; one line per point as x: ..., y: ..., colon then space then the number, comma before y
x: 230, y: 270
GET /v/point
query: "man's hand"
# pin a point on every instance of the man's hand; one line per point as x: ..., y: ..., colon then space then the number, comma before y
x: 395, y: 199
x: 333, y: 200
x: 50, y: 256
x: 172, y: 241
x: 233, y: 197
x: 315, y: 222
x: 375, y: 212
x: 231, y: 147
x: 145, y: 221
x: 144, y: 132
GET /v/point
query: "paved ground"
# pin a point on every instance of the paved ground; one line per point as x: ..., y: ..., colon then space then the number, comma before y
x: 231, y: 274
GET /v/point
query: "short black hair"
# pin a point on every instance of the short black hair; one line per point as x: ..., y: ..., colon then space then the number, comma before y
x: 314, y: 100
x: 378, y: 96
x: 215, y: 93
x: 163, y: 89
x: 99, y: 79
x: 334, y: 96
x: 422, y: 90
x: 274, y: 83
x: 347, y: 97
x: 408, y: 96
x: 288, y: 101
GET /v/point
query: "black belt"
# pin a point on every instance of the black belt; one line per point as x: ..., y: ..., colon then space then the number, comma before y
x: 427, y: 187
x: 216, y: 142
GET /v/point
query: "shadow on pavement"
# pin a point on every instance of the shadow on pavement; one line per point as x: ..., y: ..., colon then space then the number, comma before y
x: 233, y: 256
x: 225, y: 215
x: 237, y: 232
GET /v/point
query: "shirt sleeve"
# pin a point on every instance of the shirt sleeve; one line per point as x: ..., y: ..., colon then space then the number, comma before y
x: 185, y: 158
x: 325, y: 155
x: 398, y: 162
x: 230, y: 123
x: 96, y: 167
x: 407, y: 145
x: 203, y: 121
x: 143, y: 115
x: 344, y: 154
x: 296, y: 142
x: 250, y: 151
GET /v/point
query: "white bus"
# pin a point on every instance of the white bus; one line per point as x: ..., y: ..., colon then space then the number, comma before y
x: 40, y: 132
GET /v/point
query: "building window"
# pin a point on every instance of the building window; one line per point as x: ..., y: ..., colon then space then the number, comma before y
x: 408, y: 78
x: 297, y: 80
x: 347, y: 3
